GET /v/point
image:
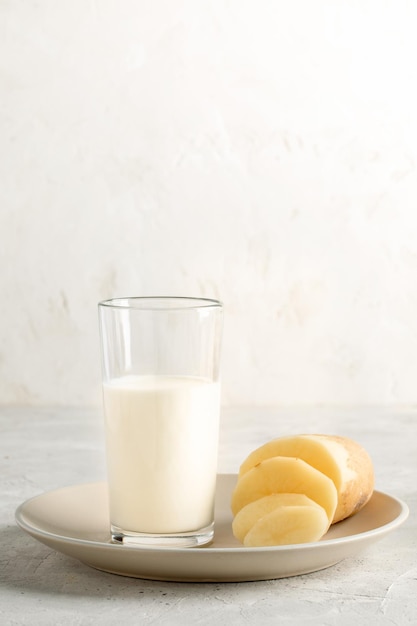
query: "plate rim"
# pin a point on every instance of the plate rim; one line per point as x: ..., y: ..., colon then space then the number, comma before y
x: 35, y: 531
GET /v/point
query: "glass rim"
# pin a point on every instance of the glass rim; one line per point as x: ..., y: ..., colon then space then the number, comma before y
x: 148, y: 303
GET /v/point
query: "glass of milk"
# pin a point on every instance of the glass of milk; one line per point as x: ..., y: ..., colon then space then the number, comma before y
x: 161, y: 394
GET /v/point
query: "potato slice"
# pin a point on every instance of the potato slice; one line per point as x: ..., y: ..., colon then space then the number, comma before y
x: 343, y: 460
x: 288, y: 525
x: 282, y: 474
x: 279, y: 532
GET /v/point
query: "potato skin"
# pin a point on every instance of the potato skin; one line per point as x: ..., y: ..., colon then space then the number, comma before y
x: 355, y: 492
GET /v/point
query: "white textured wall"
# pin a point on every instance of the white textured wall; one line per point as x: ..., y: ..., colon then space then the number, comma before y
x: 262, y: 152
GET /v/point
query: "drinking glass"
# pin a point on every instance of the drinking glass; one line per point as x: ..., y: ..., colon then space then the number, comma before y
x: 161, y: 396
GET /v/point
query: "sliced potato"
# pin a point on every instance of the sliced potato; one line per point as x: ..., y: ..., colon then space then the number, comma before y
x: 288, y: 525
x: 282, y: 474
x: 280, y: 533
x: 343, y: 460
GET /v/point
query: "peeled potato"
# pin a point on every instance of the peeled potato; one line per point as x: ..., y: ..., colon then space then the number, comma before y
x: 282, y: 474
x: 343, y: 460
x: 287, y: 525
x: 280, y: 518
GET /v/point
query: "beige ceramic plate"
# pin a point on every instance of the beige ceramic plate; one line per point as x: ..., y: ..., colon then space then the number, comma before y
x: 74, y: 520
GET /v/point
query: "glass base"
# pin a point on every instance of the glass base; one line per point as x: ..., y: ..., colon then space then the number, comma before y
x: 192, y: 539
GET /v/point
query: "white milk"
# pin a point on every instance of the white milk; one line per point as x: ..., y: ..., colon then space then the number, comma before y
x: 162, y: 441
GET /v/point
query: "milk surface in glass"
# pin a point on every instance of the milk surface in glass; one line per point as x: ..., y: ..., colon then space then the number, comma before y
x: 162, y: 440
